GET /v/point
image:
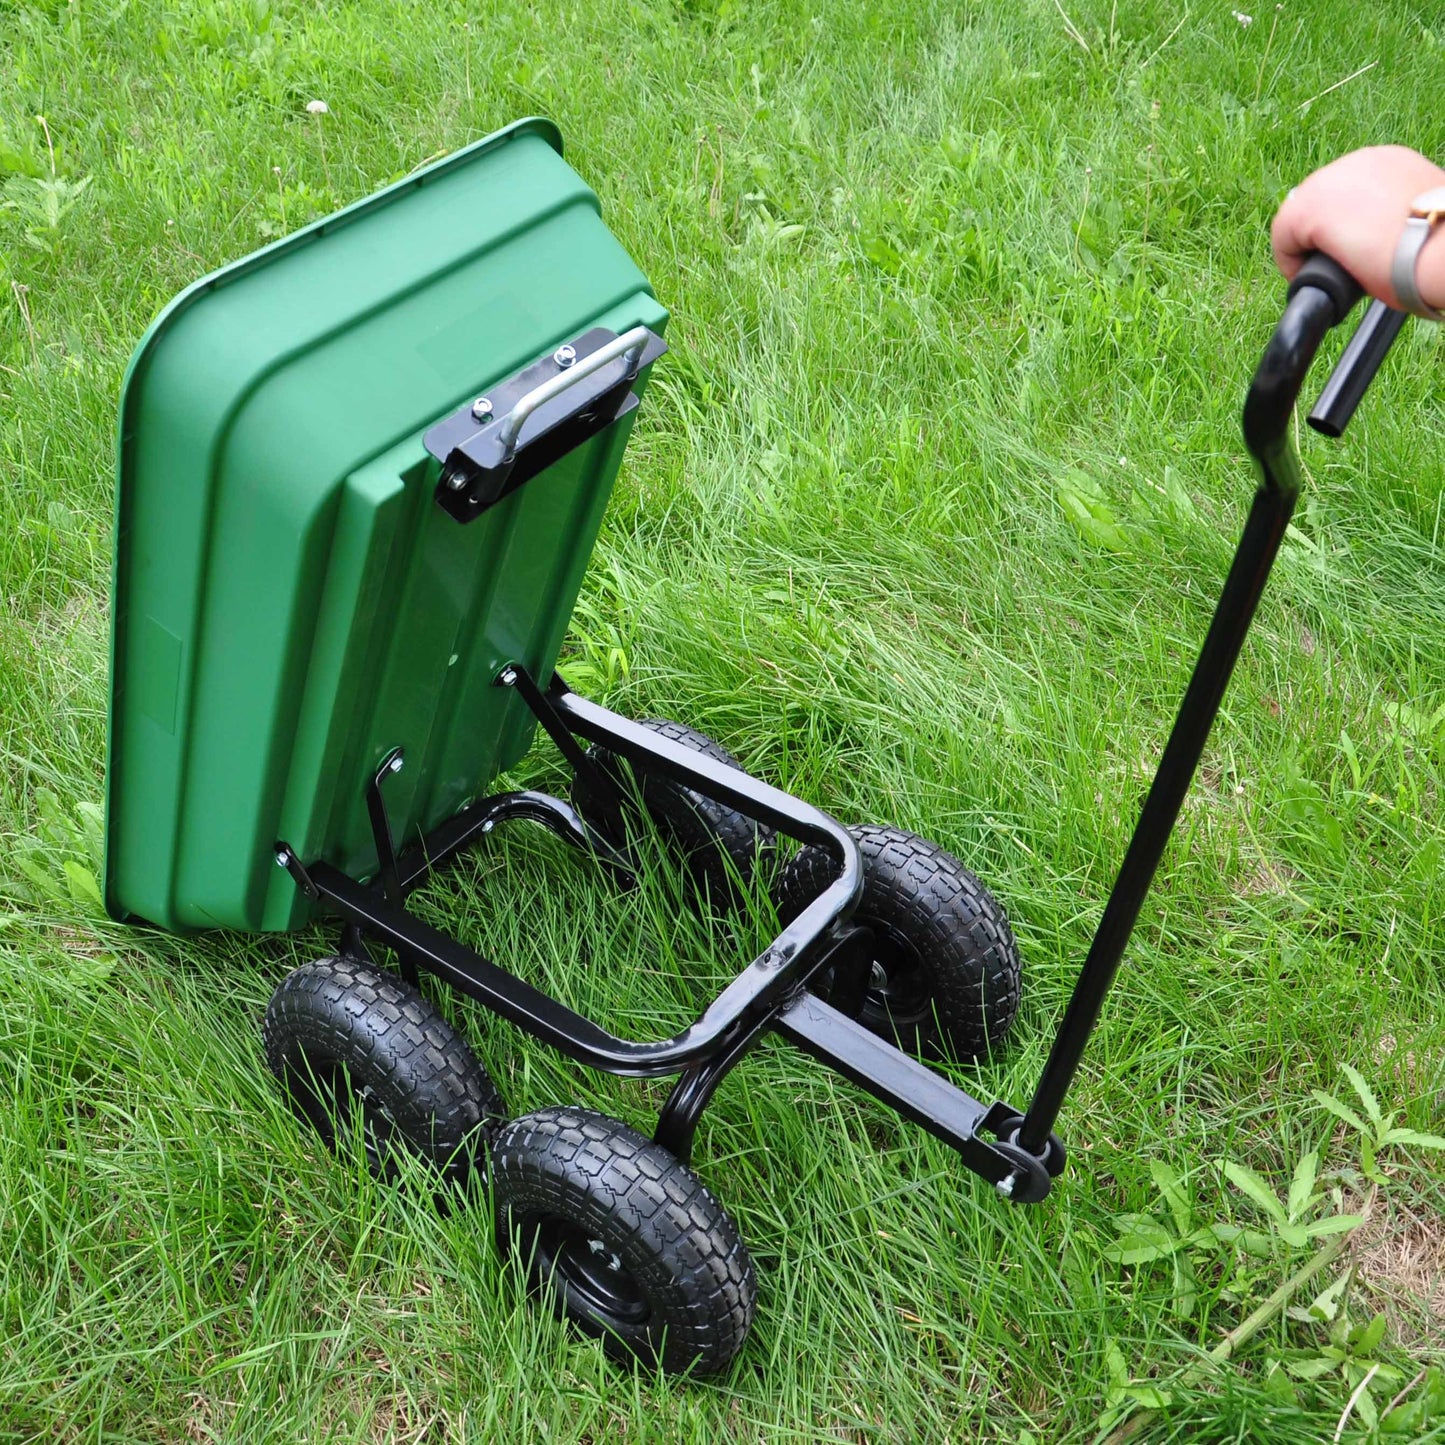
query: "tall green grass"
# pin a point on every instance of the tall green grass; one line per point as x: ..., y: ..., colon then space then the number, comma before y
x: 924, y: 520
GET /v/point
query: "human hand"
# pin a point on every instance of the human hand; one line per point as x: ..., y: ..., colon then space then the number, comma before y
x: 1354, y: 210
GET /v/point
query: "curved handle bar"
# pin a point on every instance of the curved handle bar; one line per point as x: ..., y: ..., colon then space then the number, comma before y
x: 630, y: 344
x: 1320, y: 297
x: 1308, y: 315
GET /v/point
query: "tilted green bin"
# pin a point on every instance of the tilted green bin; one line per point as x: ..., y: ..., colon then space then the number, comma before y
x: 290, y: 602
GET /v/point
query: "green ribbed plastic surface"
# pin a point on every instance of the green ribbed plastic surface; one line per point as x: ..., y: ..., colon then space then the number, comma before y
x: 289, y: 602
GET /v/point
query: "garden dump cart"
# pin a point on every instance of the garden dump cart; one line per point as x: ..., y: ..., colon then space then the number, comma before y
x: 360, y: 476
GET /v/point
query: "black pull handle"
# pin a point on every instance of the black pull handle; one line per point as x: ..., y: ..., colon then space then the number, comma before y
x: 1356, y: 369
x: 1327, y: 275
x: 1320, y: 297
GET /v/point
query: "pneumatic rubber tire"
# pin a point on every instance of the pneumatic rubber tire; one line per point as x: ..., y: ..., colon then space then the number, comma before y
x: 343, y: 1036
x: 945, y: 966
x: 720, y: 847
x: 623, y: 1240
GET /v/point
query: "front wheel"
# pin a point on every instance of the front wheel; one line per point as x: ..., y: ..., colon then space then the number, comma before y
x: 352, y: 1044
x: 625, y: 1241
x: 945, y: 967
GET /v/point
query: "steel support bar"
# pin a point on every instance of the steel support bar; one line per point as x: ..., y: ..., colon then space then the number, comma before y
x: 901, y: 1082
x: 594, y: 781
x: 751, y: 797
x: 381, y: 825
x: 678, y: 1121
x: 693, y: 1091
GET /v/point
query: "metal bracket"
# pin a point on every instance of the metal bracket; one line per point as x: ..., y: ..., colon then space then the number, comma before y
x: 286, y: 858
x: 525, y: 423
x: 386, y: 861
x: 594, y: 781
x: 381, y: 827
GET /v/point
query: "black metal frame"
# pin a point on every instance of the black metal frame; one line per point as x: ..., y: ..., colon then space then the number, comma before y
x: 1019, y: 1153
x: 770, y: 994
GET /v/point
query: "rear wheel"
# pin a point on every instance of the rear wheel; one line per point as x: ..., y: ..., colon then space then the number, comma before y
x: 945, y: 967
x: 721, y: 848
x: 623, y: 1240
x: 354, y: 1046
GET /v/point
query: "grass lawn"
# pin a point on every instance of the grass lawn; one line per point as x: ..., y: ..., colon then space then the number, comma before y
x: 923, y: 519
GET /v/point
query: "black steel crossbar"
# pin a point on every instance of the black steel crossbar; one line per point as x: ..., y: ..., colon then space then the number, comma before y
x: 901, y: 1082
x: 752, y: 797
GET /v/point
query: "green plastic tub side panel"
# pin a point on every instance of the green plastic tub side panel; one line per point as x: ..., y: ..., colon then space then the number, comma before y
x: 289, y: 603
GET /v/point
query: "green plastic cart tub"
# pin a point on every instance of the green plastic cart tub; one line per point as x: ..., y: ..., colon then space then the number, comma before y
x: 289, y: 603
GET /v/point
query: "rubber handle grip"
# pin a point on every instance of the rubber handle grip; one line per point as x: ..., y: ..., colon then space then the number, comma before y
x: 1327, y: 275
x: 1356, y: 369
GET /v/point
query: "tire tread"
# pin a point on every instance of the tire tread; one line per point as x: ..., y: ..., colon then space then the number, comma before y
x: 343, y: 1012
x: 670, y: 1230
x: 925, y: 893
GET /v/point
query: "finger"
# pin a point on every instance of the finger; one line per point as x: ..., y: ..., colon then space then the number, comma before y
x: 1287, y: 238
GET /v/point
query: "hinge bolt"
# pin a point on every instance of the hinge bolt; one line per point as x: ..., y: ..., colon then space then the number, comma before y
x: 564, y: 356
x: 481, y: 408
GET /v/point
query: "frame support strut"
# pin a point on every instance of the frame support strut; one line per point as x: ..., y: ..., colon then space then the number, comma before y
x: 594, y: 780
x: 386, y: 864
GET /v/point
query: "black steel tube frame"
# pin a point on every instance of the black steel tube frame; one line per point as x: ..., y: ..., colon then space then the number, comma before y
x: 770, y: 995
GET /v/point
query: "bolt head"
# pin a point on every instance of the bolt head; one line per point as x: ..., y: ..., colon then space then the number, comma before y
x: 396, y: 763
x: 1008, y: 1184
x: 481, y: 409
x: 282, y: 857
x: 564, y: 356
